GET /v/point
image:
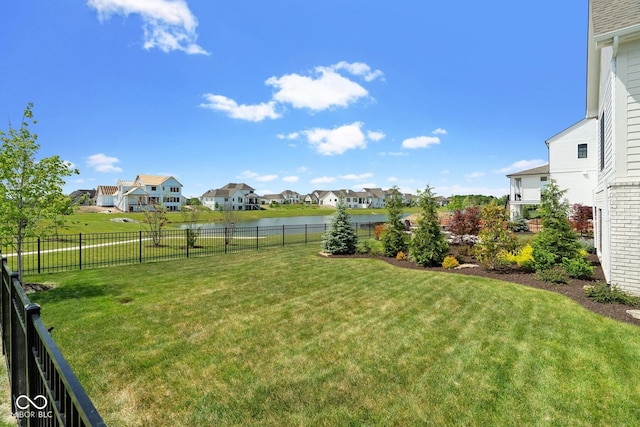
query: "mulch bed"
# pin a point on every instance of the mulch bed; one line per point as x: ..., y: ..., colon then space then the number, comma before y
x: 573, y: 290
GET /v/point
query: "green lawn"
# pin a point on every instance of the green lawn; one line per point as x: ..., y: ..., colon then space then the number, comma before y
x: 285, y: 337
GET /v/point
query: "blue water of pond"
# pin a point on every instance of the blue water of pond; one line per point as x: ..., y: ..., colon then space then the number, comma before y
x: 296, y: 220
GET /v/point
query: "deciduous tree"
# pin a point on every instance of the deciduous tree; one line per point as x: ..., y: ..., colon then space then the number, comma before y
x: 31, y: 189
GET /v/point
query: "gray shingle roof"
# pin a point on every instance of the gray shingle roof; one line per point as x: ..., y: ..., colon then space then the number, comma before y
x: 612, y: 15
x: 540, y: 170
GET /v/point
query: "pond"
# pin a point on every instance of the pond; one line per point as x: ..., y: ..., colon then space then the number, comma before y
x: 296, y: 220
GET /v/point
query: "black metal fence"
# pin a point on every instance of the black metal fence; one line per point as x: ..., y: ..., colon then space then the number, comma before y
x: 78, y: 251
x: 44, y: 389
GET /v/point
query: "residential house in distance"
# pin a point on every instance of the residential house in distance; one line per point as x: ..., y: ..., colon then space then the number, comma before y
x: 267, y: 199
x: 524, y: 189
x: 613, y: 99
x: 290, y: 196
x: 105, y: 195
x: 233, y: 196
x: 141, y: 193
x: 573, y: 161
x: 83, y: 197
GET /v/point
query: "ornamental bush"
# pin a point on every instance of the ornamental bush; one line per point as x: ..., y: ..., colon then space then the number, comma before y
x: 495, y: 237
x: 450, y: 262
x: 578, y: 268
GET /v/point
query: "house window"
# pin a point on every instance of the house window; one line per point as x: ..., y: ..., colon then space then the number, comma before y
x: 543, y: 182
x: 153, y: 188
x: 602, y: 141
x: 582, y: 151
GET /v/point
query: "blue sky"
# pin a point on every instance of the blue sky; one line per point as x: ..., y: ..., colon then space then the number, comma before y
x: 297, y: 95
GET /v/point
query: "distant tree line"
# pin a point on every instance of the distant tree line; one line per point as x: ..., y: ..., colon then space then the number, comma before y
x: 462, y: 202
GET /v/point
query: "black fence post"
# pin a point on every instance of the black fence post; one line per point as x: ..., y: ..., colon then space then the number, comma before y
x: 282, y: 234
x: 186, y: 230
x: 31, y: 365
x: 38, y: 254
x: 305, y: 234
x: 257, y: 237
x: 80, y: 250
x: 140, y: 240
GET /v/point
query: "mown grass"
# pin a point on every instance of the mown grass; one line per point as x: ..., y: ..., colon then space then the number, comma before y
x: 285, y: 337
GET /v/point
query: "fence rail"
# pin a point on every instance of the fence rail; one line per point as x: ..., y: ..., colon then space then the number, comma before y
x: 91, y: 250
x: 44, y: 389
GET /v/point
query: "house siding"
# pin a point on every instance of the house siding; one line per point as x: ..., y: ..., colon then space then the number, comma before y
x: 578, y: 176
x: 625, y: 235
x: 633, y: 111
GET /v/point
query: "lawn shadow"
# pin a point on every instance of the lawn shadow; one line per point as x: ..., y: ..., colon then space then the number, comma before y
x: 77, y: 291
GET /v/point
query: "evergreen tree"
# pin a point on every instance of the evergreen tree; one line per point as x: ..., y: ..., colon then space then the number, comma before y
x: 341, y: 238
x: 394, y: 238
x: 428, y: 246
x: 557, y: 239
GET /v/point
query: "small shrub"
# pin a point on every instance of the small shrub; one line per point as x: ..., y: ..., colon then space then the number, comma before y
x: 363, y: 247
x: 377, y: 232
x: 519, y: 225
x: 524, y: 258
x: 507, y: 258
x: 376, y: 248
x: 401, y: 256
x: 450, y: 262
x: 578, y: 268
x: 610, y: 295
x: 543, y: 259
x: 587, y: 245
x: 553, y: 275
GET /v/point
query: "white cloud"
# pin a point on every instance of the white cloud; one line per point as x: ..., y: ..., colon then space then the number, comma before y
x: 392, y: 153
x: 357, y: 177
x: 168, y: 24
x: 365, y: 185
x: 328, y: 90
x: 440, y: 131
x: 303, y: 169
x: 375, y: 136
x: 103, y: 163
x: 291, y: 178
x: 420, y: 142
x: 474, y: 175
x: 392, y: 179
x: 358, y: 69
x: 290, y: 136
x: 338, y: 140
x: 252, y: 113
x: 521, y: 165
x: 323, y: 180
x: 257, y: 177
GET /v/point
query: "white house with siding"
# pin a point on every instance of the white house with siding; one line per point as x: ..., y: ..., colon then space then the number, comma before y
x: 524, y: 188
x: 613, y: 99
x: 573, y: 155
x: 139, y: 194
x: 234, y: 196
